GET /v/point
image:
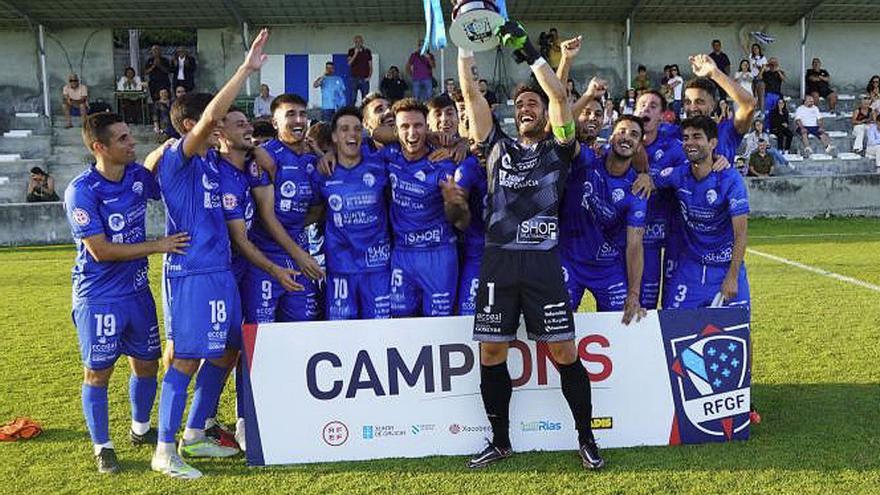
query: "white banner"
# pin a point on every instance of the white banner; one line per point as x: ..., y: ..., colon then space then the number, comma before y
x: 334, y: 391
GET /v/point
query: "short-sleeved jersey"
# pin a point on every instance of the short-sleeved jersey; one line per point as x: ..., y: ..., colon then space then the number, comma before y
x: 525, y: 188
x: 191, y: 191
x: 293, y: 196
x: 471, y: 175
x: 596, y: 210
x: 707, y: 207
x: 235, y: 186
x: 356, y: 233
x: 96, y: 205
x: 418, y: 219
x: 666, y: 151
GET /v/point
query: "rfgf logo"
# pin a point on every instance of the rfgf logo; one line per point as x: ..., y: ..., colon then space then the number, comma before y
x: 435, y: 367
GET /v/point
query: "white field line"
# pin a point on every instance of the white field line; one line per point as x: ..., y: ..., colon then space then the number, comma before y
x: 819, y: 271
x: 818, y: 234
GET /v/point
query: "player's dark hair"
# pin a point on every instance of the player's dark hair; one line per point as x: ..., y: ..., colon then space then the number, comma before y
x: 630, y: 118
x: 287, y: 99
x: 527, y: 88
x: 371, y: 97
x: 263, y: 129
x: 440, y: 102
x: 236, y: 109
x: 409, y: 105
x: 716, y: 41
x: 342, y: 112
x: 656, y: 94
x: 320, y: 133
x: 641, y: 68
x: 703, y: 123
x: 703, y: 83
x: 188, y: 106
x: 96, y: 127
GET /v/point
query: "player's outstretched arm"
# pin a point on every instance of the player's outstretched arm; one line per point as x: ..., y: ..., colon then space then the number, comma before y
x: 635, y: 266
x: 479, y: 113
x: 238, y: 235
x: 704, y: 66
x: 455, y: 203
x: 105, y: 251
x: 219, y: 105
x: 729, y: 288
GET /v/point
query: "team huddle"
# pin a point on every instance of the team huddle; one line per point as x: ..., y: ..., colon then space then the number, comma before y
x: 426, y: 210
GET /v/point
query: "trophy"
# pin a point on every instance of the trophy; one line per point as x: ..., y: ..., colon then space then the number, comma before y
x: 474, y: 23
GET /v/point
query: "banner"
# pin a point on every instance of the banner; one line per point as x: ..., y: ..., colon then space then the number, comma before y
x: 369, y: 389
x: 295, y: 73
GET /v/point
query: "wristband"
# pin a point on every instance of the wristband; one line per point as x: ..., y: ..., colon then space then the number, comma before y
x: 564, y: 132
x: 538, y: 63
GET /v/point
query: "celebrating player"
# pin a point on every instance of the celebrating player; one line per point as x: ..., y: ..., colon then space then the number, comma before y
x: 521, y: 271
x: 201, y: 301
x: 113, y: 308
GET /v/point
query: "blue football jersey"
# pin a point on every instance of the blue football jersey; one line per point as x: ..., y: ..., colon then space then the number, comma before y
x: 707, y: 207
x: 728, y: 139
x: 96, y: 205
x: 597, y: 209
x: 418, y: 219
x: 666, y: 151
x: 293, y: 196
x: 191, y: 191
x: 356, y: 233
x: 471, y: 175
x: 235, y: 186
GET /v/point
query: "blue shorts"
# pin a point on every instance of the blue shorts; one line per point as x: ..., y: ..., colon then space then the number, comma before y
x: 468, y: 283
x: 651, y: 275
x: 365, y: 296
x: 423, y: 281
x: 264, y: 300
x: 694, y: 285
x: 124, y: 326
x: 202, y: 314
x: 814, y: 130
x: 607, y: 284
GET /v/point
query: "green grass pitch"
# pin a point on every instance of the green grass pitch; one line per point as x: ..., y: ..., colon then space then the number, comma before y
x: 816, y: 381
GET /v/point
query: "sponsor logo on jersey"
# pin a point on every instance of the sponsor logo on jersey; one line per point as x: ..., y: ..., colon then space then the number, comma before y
x: 369, y: 179
x: 393, y: 179
x: 420, y: 175
x: 658, y: 155
x: 80, y: 216
x: 335, y: 202
x: 116, y: 221
x: 206, y: 182
x: 617, y: 195
x: 288, y: 189
x: 537, y: 230
x: 711, y: 196
x: 229, y: 201
x: 138, y: 187
x: 666, y: 171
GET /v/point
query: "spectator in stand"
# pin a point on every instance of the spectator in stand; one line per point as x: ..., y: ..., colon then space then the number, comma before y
x: 263, y: 131
x: 41, y: 186
x: 571, y: 91
x: 744, y: 76
x: 773, y: 78
x: 628, y: 102
x: 449, y: 88
x: 74, y: 95
x: 676, y: 83
x: 665, y: 89
x: 873, y: 89
x: 156, y: 71
x: 162, y: 116
x: 490, y: 97
x: 263, y: 103
x: 183, y: 67
x: 392, y: 86
x: 722, y: 61
x: 808, y: 121
x: 740, y: 163
x: 757, y: 62
x: 609, y: 117
x: 861, y: 119
x: 723, y: 112
x: 780, y: 125
x: 360, y: 62
x: 179, y: 91
x: 760, y: 161
x: 129, y: 81
x: 641, y: 82
x: 819, y: 84
x: 752, y: 139
x: 333, y: 95
x: 872, y: 141
x: 554, y: 48
x: 420, y: 68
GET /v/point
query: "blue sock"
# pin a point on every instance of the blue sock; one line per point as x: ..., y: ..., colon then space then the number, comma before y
x: 141, y: 394
x: 209, y: 385
x: 97, y: 413
x: 239, y: 392
x: 213, y: 413
x: 172, y: 402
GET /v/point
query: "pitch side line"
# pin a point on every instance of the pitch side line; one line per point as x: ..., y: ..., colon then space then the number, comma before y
x: 818, y: 234
x: 820, y: 271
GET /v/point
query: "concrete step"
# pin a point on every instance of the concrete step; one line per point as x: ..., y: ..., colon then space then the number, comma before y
x: 36, y: 122
x: 27, y: 147
x: 832, y: 167
x: 20, y: 166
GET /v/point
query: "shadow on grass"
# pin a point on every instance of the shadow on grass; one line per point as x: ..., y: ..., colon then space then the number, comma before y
x: 826, y: 427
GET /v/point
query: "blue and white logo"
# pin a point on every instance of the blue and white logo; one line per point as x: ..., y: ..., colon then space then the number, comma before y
x: 116, y: 222
x: 288, y: 189
x: 369, y: 179
x: 711, y: 196
x: 335, y: 202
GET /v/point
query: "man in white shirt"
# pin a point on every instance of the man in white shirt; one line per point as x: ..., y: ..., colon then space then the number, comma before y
x: 808, y: 121
x: 263, y: 103
x: 872, y: 141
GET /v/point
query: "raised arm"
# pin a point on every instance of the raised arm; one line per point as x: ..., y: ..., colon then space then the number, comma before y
x: 219, y: 105
x: 479, y: 114
x: 704, y: 66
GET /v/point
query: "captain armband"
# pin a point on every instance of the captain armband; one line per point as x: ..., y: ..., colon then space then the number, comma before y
x: 565, y: 132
